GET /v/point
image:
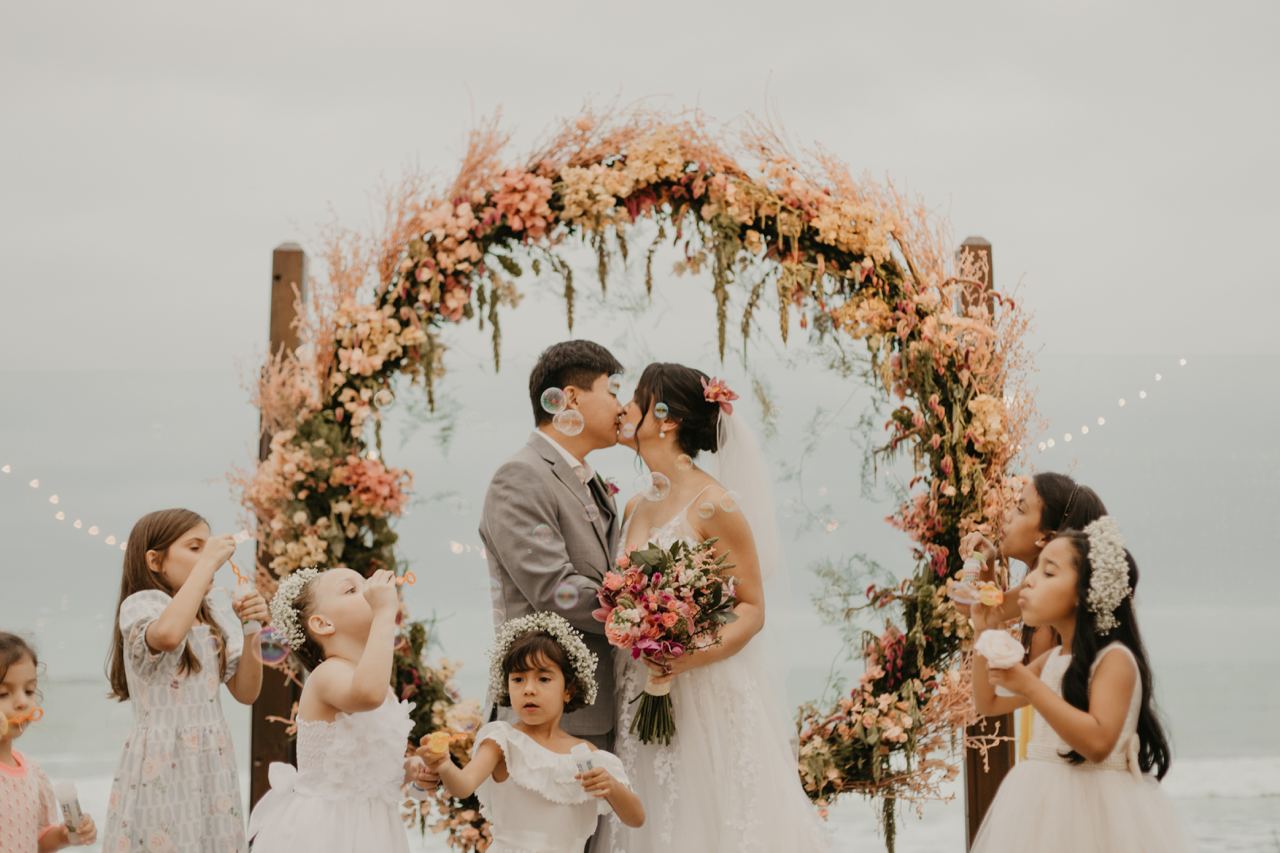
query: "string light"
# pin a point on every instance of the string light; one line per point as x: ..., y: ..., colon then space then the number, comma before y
x: 56, y: 500
x: 1101, y: 420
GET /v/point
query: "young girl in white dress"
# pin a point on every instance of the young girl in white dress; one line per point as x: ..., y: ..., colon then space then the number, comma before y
x: 1090, y: 781
x: 177, y: 787
x: 353, y: 735
x: 532, y: 777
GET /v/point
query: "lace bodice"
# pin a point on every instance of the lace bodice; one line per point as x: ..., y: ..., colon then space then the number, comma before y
x: 1047, y: 745
x: 357, y: 755
x: 664, y: 535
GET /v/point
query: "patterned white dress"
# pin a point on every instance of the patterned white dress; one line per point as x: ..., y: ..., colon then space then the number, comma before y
x: 345, y: 795
x: 177, y: 787
x: 728, y: 781
x: 1049, y: 805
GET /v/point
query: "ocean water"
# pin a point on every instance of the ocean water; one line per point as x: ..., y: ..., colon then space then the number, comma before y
x: 1191, y: 481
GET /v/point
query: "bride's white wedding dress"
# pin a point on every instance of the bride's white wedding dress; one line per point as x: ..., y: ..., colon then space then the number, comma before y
x: 728, y: 780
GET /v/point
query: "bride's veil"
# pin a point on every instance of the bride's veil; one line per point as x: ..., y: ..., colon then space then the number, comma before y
x: 741, y: 468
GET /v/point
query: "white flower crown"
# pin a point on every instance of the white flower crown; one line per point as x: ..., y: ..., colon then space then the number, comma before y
x: 584, y: 660
x: 285, y: 617
x: 1109, y: 583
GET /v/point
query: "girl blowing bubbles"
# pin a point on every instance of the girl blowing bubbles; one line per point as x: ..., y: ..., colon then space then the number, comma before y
x: 1049, y: 503
x: 345, y: 794
x: 29, y: 818
x: 177, y: 787
x: 1084, y: 786
x: 529, y: 776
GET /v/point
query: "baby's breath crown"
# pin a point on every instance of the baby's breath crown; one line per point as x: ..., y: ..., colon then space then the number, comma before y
x: 284, y: 606
x: 584, y: 660
x: 1109, y: 583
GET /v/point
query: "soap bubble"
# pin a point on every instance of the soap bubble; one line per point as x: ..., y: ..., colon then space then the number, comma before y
x: 274, y: 648
x: 93, y: 531
x: 684, y: 462
x: 653, y: 486
x: 553, y: 401
x: 592, y: 512
x: 582, y: 473
x: 1142, y: 395
x: 615, y: 384
x: 660, y: 411
x: 706, y: 509
x: 729, y: 503
x: 1123, y: 402
x: 569, y: 422
x: 566, y: 595
x: 628, y: 431
x: 60, y: 515
x: 1051, y: 442
x: 542, y: 533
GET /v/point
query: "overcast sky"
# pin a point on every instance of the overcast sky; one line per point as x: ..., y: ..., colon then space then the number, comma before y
x: 1121, y: 157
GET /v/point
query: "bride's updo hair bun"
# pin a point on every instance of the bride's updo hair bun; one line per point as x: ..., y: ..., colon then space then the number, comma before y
x: 680, y: 388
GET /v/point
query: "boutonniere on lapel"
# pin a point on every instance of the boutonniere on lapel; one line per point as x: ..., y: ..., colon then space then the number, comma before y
x: 611, y: 487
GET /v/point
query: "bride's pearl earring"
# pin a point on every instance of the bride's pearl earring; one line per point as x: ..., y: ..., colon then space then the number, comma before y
x: 662, y: 433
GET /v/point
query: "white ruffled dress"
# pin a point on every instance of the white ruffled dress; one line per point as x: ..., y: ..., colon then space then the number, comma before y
x: 1049, y: 805
x: 345, y: 794
x: 540, y: 807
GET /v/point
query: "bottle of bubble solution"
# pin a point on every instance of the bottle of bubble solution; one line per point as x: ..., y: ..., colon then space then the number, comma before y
x: 244, y: 587
x: 582, y: 757
x: 65, y: 793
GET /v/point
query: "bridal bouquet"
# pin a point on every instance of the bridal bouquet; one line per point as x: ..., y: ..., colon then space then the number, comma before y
x: 662, y: 603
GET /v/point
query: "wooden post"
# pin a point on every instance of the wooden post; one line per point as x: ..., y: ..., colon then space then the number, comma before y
x: 980, y: 785
x: 268, y: 739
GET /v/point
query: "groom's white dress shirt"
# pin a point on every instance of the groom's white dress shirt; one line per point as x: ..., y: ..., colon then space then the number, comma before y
x: 582, y: 469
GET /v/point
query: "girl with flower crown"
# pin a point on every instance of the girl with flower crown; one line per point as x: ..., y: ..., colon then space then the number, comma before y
x: 345, y: 793
x: 1090, y: 781
x: 540, y: 788
x: 174, y: 645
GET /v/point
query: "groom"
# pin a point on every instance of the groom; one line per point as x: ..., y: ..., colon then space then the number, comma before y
x: 550, y: 526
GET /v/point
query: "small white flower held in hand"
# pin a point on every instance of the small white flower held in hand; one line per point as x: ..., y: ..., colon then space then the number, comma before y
x: 999, y: 648
x: 1001, y: 651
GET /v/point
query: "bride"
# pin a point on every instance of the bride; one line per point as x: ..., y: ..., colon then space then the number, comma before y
x: 728, y: 780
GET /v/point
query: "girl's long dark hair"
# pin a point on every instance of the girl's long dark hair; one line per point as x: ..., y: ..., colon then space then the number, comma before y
x: 156, y: 531
x: 1153, y: 750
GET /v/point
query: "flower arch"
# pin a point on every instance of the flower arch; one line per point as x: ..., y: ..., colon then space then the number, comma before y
x: 851, y: 258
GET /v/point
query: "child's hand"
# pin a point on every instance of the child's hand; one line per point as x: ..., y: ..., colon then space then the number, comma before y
x: 1016, y: 679
x: 380, y: 592
x: 979, y: 546
x: 218, y: 550
x: 433, y: 760
x: 598, y: 783
x: 415, y: 770
x: 983, y: 617
x: 252, y: 606
x: 86, y: 833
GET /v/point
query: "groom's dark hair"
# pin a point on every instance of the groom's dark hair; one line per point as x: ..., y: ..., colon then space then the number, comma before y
x: 576, y: 363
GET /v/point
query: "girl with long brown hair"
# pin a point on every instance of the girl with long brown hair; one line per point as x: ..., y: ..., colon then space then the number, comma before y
x: 174, y: 643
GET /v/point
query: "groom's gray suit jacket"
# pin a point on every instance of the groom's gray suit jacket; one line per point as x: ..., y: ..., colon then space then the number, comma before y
x: 557, y: 567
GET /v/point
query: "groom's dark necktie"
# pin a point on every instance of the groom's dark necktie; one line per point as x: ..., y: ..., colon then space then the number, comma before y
x: 601, y: 498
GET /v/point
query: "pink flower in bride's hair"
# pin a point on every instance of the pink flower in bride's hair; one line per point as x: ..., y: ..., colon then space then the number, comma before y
x: 716, y: 391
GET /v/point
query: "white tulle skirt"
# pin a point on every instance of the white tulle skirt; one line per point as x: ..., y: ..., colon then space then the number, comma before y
x: 1054, y: 807
x: 290, y: 821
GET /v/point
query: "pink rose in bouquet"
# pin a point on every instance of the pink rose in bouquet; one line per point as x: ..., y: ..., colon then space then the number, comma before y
x: 663, y: 603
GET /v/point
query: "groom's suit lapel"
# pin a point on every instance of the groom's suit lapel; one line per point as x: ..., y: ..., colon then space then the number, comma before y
x: 581, y: 491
